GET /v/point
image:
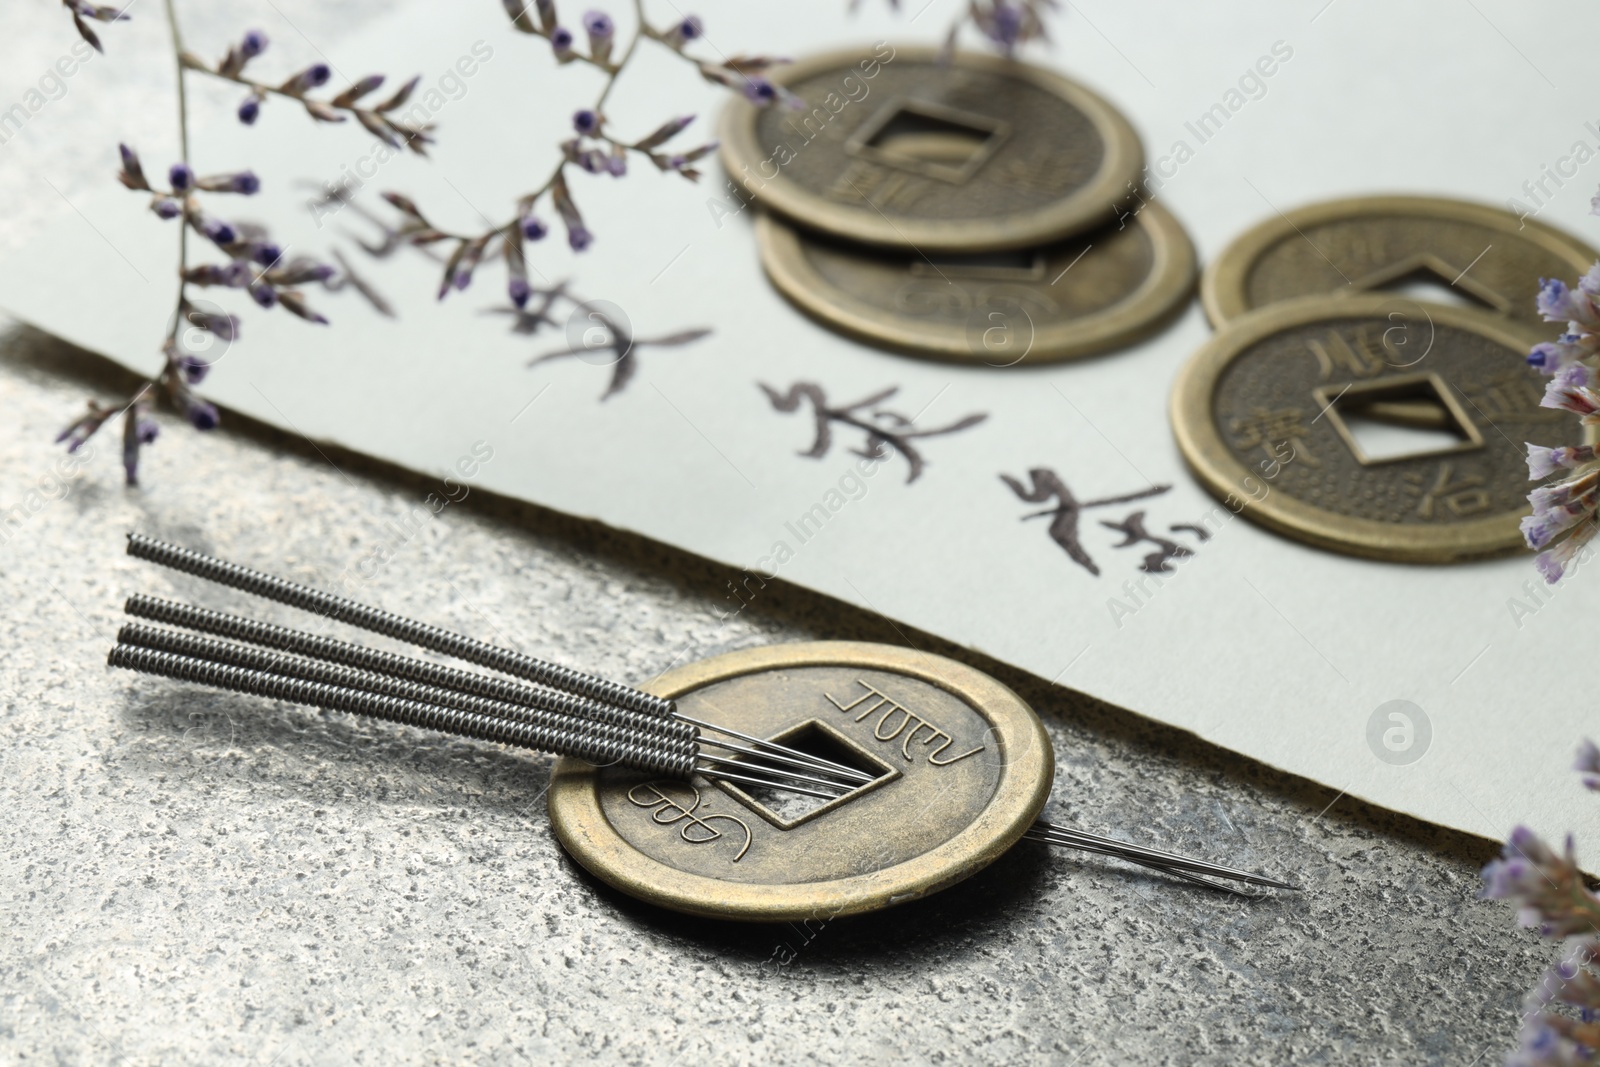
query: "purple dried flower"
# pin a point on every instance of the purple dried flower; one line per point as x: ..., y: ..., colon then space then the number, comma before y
x: 201, y: 414
x: 1005, y: 26
x: 132, y: 174
x: 616, y: 163
x: 761, y: 92
x: 1558, y: 303
x: 579, y: 237
x: 533, y: 228
x: 586, y: 122
x: 519, y: 291
x: 266, y: 253
x: 1589, y: 764
x: 690, y: 29
x: 1552, y: 357
x: 1543, y: 462
x: 561, y: 43
x: 250, y: 109
x: 263, y: 294
x: 254, y: 43
x: 243, y: 182
x: 194, y: 369
x: 148, y: 430
x: 166, y: 207
x: 1574, y: 390
x: 218, y: 231
x: 602, y: 32
x: 312, y: 77
x: 181, y: 176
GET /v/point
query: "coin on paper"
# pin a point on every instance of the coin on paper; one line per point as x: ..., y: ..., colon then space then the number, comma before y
x: 895, y: 146
x: 1374, y: 425
x: 1086, y: 295
x: 960, y: 768
x: 1481, y: 255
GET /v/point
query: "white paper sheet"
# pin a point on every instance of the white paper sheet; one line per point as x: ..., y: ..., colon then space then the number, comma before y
x: 1258, y: 643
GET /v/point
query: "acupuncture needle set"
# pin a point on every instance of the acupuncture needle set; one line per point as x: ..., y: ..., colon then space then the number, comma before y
x: 980, y: 210
x: 916, y: 770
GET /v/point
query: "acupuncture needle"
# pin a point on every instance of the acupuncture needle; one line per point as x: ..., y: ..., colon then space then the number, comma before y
x: 418, y: 633
x: 463, y: 716
x: 786, y: 778
x: 1170, y: 862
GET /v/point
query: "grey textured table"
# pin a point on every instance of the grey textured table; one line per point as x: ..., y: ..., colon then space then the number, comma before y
x: 202, y: 877
x: 193, y: 877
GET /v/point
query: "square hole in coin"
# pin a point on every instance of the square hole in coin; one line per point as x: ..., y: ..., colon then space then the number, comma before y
x: 785, y: 809
x: 1398, y: 418
x: 1020, y: 265
x: 940, y: 142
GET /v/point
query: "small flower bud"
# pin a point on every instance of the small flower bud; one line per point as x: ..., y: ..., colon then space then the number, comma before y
x: 533, y: 228
x: 690, y: 29
x: 166, y: 207
x: 201, y: 414
x: 586, y: 122
x: 243, y: 182
x: 579, y: 238
x: 254, y: 43
x: 265, y: 295
x: 132, y: 173
x: 266, y: 253
x: 312, y: 77
x: 519, y: 291
x: 250, y: 109
x: 602, y: 32
x: 760, y: 92
x: 561, y: 43
x: 181, y: 176
x: 194, y: 369
x: 218, y: 231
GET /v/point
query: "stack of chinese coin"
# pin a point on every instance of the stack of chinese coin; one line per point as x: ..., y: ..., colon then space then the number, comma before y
x: 1344, y: 403
x: 961, y: 207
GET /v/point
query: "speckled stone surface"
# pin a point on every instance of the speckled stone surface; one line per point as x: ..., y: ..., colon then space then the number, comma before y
x: 194, y: 877
x: 197, y: 877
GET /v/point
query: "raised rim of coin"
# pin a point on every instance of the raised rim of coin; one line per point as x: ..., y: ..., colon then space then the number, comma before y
x: 1163, y: 293
x: 1097, y: 200
x: 1224, y: 476
x: 1026, y: 776
x: 1223, y: 290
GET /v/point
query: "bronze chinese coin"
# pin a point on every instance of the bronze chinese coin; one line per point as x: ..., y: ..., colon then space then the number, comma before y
x: 894, y: 146
x: 1377, y: 426
x: 1086, y: 295
x: 1485, y: 256
x: 960, y: 767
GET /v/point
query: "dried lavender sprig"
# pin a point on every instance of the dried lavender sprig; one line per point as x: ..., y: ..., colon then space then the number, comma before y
x: 1005, y: 24
x: 1566, y: 515
x: 99, y: 13
x: 181, y: 371
x: 538, y: 18
x: 378, y: 119
x: 1553, y: 898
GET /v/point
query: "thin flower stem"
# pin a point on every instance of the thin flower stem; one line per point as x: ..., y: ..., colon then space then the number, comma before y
x: 613, y: 73
x: 183, y: 155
